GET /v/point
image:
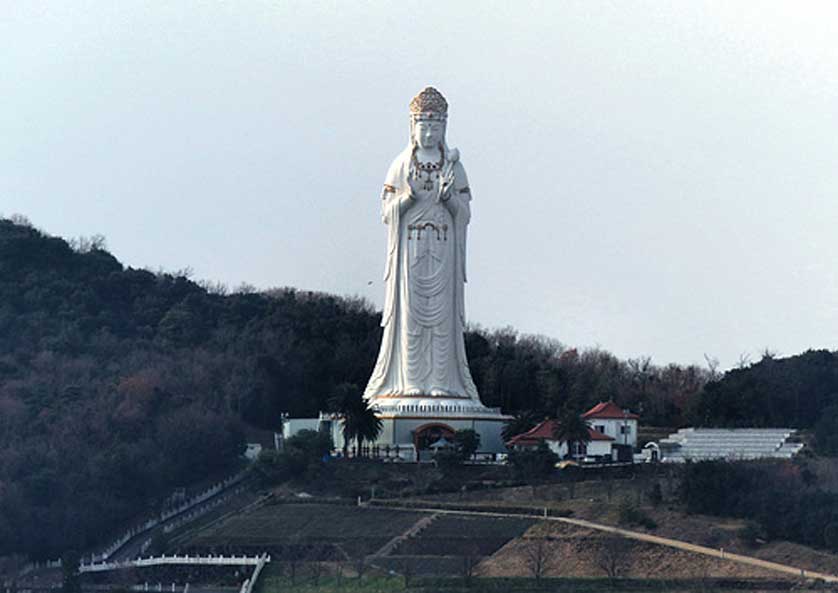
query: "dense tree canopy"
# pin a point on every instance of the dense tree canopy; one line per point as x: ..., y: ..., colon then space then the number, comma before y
x: 118, y: 384
x: 792, y: 391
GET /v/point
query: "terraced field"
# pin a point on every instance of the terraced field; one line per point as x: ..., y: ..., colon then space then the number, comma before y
x: 451, y: 535
x: 451, y: 543
x: 309, y: 531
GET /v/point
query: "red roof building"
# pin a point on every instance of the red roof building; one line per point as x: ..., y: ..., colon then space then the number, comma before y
x: 608, y: 425
x: 608, y: 418
x: 608, y: 411
x: 544, y: 431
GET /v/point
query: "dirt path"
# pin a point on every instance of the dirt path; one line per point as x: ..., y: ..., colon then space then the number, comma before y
x: 646, y: 537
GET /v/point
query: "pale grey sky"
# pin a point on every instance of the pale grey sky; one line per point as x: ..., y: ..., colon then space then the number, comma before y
x: 656, y: 178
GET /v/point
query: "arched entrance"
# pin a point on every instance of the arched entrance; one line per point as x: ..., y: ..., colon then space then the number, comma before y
x: 427, y: 434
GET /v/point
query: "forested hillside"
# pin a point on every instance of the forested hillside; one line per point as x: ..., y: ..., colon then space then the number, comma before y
x: 791, y: 391
x: 118, y: 384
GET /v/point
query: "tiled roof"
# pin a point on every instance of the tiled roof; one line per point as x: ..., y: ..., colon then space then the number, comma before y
x: 543, y: 431
x: 599, y: 436
x: 608, y: 411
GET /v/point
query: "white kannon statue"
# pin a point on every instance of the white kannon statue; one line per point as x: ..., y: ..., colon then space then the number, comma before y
x: 425, y: 205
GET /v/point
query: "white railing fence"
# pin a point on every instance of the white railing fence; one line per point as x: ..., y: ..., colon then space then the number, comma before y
x: 31, y: 566
x: 258, y: 562
x: 165, y: 560
x: 248, y: 584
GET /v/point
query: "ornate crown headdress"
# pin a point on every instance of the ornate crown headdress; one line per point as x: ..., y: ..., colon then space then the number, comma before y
x: 429, y: 104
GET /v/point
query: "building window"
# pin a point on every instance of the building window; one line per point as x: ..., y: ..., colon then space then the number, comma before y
x: 625, y: 429
x: 600, y: 428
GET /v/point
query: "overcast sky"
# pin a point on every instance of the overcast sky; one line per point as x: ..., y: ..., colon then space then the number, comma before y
x: 657, y: 179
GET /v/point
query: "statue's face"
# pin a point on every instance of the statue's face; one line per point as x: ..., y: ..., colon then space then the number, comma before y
x: 428, y: 133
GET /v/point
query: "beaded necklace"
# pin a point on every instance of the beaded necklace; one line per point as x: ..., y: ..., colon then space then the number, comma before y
x: 430, y: 170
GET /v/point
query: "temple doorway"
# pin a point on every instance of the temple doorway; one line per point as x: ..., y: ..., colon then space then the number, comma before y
x: 429, y: 434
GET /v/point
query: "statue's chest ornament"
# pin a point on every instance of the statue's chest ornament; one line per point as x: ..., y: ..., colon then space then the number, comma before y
x: 430, y: 171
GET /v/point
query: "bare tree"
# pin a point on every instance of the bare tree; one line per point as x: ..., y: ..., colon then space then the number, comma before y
x: 407, y: 569
x: 316, y: 570
x: 471, y: 558
x: 20, y: 220
x: 245, y: 288
x: 292, y: 554
x: 88, y: 244
x: 360, y: 559
x: 744, y: 360
x: 769, y: 354
x: 705, y: 582
x: 614, y: 555
x: 214, y: 287
x: 540, y: 556
x: 712, y: 366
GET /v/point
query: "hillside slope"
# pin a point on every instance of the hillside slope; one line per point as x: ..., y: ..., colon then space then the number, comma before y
x: 119, y: 384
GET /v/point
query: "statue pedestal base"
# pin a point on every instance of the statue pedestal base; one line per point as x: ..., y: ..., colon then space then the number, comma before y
x: 416, y: 424
x: 423, y: 421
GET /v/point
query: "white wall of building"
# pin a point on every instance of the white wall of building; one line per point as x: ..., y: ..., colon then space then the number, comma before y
x: 623, y: 431
x: 292, y: 426
x: 598, y: 448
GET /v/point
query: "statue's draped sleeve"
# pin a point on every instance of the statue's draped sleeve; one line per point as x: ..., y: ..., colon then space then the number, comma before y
x: 460, y: 208
x: 394, y: 197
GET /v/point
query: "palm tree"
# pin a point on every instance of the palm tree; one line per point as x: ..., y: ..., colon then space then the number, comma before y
x: 519, y: 424
x: 359, y: 420
x: 571, y: 428
x: 341, y: 403
x: 367, y: 424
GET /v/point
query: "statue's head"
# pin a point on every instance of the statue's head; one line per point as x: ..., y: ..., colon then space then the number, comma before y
x: 428, y: 114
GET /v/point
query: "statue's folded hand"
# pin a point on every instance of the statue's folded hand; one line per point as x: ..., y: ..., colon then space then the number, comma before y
x: 446, y: 188
x: 407, y: 198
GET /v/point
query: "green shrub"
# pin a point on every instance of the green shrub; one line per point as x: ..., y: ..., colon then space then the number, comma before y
x: 830, y: 536
x: 301, y: 456
x: 631, y: 515
x: 448, y: 460
x: 752, y: 534
x: 656, y: 494
x: 467, y: 442
x: 533, y: 463
x: 313, y: 444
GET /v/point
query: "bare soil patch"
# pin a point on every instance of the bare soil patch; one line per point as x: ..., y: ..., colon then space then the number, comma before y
x: 575, y: 552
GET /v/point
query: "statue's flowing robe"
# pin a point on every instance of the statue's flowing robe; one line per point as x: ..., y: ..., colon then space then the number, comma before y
x: 422, y: 348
